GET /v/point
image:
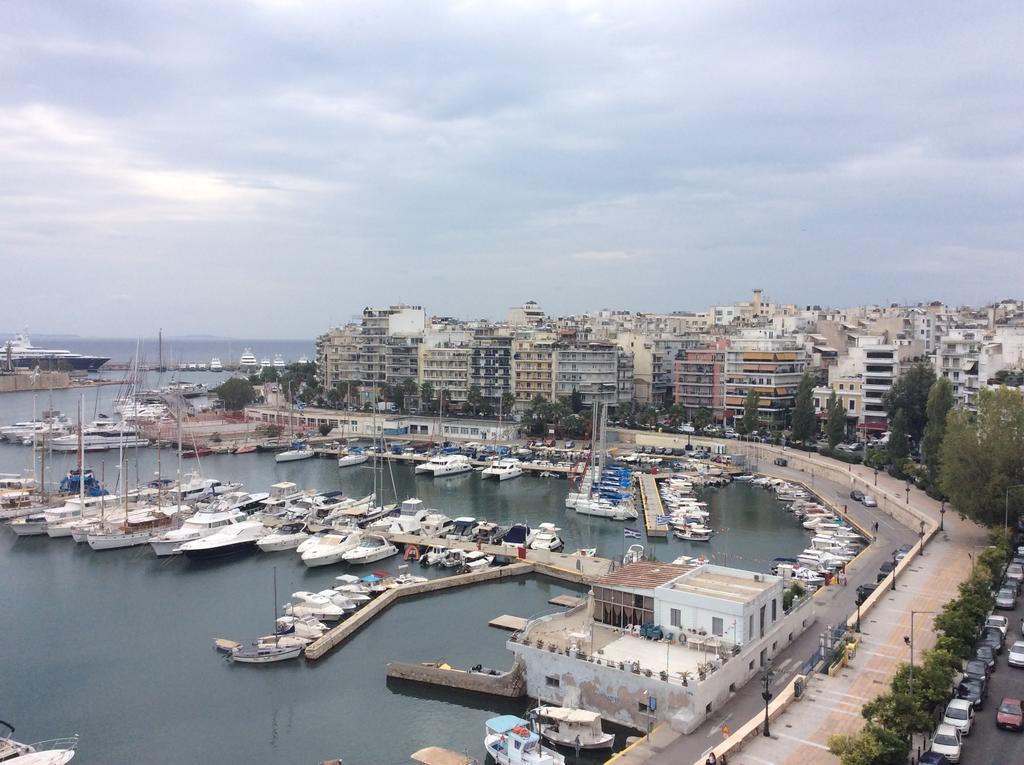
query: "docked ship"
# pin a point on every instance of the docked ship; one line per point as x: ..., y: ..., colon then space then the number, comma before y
x: 20, y: 352
x: 248, y: 361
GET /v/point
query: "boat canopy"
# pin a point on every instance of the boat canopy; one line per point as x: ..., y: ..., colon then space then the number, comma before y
x: 567, y: 715
x: 505, y: 723
x: 435, y: 755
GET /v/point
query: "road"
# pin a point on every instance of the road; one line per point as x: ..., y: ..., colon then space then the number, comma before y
x: 987, y: 744
x: 833, y: 607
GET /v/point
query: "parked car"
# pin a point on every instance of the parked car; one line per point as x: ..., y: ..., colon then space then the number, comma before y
x: 1015, y: 656
x: 933, y: 758
x: 986, y: 653
x: 1006, y: 599
x: 946, y: 740
x: 1012, y: 584
x: 863, y: 590
x: 960, y: 714
x: 1015, y: 571
x: 1010, y: 716
x: 857, y: 495
x: 994, y: 636
x: 570, y: 444
x: 974, y: 689
x: 902, y: 552
x: 869, y: 501
x: 977, y: 668
x: 884, y: 570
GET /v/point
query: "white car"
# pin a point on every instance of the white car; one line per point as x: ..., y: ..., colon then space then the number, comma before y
x: 1015, y: 571
x: 869, y: 501
x: 1001, y: 623
x: 947, y: 740
x: 960, y: 715
x: 1015, y: 656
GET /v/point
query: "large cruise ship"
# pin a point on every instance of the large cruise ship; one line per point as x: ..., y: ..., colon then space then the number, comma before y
x: 20, y: 352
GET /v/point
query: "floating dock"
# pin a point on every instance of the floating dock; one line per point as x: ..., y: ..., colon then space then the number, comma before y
x: 568, y: 601
x: 651, y: 499
x: 528, y: 467
x: 508, y: 622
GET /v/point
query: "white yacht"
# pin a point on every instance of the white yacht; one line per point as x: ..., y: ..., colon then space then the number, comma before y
x: 328, y: 549
x: 138, y: 528
x: 242, y: 501
x: 194, y: 488
x: 464, y: 529
x: 59, y: 518
x: 573, y: 727
x: 215, y: 365
x: 408, y: 521
x: 101, y: 435
x: 352, y: 457
x: 693, y: 532
x: 476, y: 560
x: 503, y: 470
x: 372, y: 549
x: 53, y: 752
x: 279, y: 362
x: 545, y: 537
x: 300, y: 626
x: 445, y: 464
x: 28, y: 525
x: 229, y: 540
x: 604, y: 508
x: 200, y: 525
x: 314, y: 605
x: 299, y: 451
x: 247, y: 362
x: 286, y: 537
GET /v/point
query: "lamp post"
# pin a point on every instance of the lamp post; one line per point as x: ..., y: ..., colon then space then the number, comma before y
x: 921, y: 535
x: 908, y: 492
x: 858, y: 612
x: 876, y: 476
x: 1006, y: 506
x: 894, y: 562
x: 942, y: 516
x: 909, y: 640
x: 767, y: 676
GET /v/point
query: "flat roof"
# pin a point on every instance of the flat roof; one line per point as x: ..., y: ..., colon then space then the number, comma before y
x: 714, y: 584
x: 643, y: 575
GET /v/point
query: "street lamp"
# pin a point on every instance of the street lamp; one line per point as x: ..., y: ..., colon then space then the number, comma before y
x: 921, y: 535
x: 908, y: 491
x: 942, y: 516
x: 894, y: 562
x: 876, y: 476
x: 909, y: 640
x: 1006, y: 510
x: 767, y: 676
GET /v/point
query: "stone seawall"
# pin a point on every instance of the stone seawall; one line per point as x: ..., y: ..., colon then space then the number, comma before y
x: 511, y: 684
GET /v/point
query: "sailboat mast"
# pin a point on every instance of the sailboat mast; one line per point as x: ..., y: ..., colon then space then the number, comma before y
x: 277, y: 638
x: 81, y: 455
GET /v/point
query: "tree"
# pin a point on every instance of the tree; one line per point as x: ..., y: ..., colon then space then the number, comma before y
x: 702, y: 418
x: 748, y: 423
x: 982, y: 455
x: 910, y: 393
x: 508, y: 400
x: 409, y: 390
x: 835, y: 427
x: 940, y: 402
x: 236, y: 393
x: 874, y: 745
x: 898, y: 446
x: 474, y: 398
x: 325, y: 428
x: 576, y: 401
x: 427, y: 396
x: 804, y: 421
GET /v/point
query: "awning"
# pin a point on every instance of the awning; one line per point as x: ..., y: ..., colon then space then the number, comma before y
x: 873, y: 426
x: 564, y: 714
x: 435, y: 755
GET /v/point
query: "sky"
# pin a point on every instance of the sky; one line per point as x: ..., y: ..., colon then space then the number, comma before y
x: 268, y: 168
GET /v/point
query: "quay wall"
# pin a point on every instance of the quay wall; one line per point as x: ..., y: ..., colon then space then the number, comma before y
x: 43, y: 381
x: 509, y: 684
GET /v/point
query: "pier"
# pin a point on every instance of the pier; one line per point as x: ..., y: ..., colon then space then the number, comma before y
x: 651, y: 499
x: 511, y: 684
x: 529, y: 467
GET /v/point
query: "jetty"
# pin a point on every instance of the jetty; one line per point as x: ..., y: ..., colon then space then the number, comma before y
x: 651, y: 500
x: 332, y: 452
x: 511, y: 684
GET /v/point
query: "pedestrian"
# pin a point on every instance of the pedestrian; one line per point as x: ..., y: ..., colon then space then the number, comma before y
x: 711, y: 760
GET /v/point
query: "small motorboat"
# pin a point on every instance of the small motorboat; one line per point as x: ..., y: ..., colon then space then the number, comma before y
x: 53, y: 752
x: 634, y: 554
x: 509, y: 740
x: 545, y: 537
x: 316, y: 605
x: 286, y: 537
x: 300, y: 626
x: 371, y: 550
x: 569, y: 727
x: 477, y: 561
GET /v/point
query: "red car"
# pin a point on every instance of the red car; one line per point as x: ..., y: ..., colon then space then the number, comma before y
x: 1010, y: 715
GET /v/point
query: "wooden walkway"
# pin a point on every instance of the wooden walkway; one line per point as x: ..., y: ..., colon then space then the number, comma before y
x: 651, y: 498
x: 508, y: 622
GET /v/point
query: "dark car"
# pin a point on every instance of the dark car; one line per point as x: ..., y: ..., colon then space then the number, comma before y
x: 974, y: 690
x: 857, y: 495
x: 977, y: 668
x: 987, y: 642
x: 781, y: 461
x: 863, y: 590
x: 1011, y: 584
x: 884, y: 570
x: 933, y: 758
x: 1010, y: 715
x: 985, y: 652
x: 995, y: 635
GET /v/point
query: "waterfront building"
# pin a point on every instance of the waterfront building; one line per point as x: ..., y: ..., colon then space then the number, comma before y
x: 533, y: 369
x: 654, y: 363
x: 849, y: 392
x: 446, y: 366
x: 591, y: 370
x: 698, y: 378
x: 770, y: 365
x: 720, y: 626
x: 491, y: 363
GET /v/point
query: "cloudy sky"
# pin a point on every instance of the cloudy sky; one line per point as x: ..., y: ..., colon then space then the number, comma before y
x: 267, y: 168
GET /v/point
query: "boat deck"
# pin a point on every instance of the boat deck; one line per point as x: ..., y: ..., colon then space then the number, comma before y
x: 651, y: 499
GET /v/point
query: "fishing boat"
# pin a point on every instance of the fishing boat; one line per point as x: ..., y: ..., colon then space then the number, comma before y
x: 509, y: 740
x: 576, y: 728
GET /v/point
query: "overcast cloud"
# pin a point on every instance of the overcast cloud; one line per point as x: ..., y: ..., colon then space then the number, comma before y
x: 268, y: 168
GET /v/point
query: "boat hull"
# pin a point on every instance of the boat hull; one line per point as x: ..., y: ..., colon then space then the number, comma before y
x: 119, y: 541
x: 221, y: 551
x: 33, y: 529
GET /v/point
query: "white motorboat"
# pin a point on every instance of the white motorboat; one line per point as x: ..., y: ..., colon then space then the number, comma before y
x: 53, y: 752
x: 328, y: 549
x: 372, y: 549
x: 286, y: 537
x: 545, y: 537
x: 433, y: 556
x: 236, y: 538
x: 202, y: 524
x: 463, y: 529
x: 340, y: 599
x: 215, y: 365
x: 604, y: 508
x: 299, y: 451
x: 73, y: 509
x: 352, y: 457
x: 819, y: 560
x: 634, y: 554
x: 436, y: 525
x: 509, y: 740
x: 315, y: 605
x: 503, y: 469
x: 476, y: 560
x: 409, y: 519
x: 194, y: 488
x: 693, y: 532
x: 101, y: 435
x: 301, y: 626
x: 244, y: 501
x: 569, y: 727
x: 445, y: 465
x: 28, y: 525
x: 353, y: 588
x: 285, y: 497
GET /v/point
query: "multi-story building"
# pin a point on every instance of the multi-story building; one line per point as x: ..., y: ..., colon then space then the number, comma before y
x: 491, y: 365
x: 592, y: 370
x: 957, y: 359
x: 447, y: 368
x: 338, y: 355
x: 769, y: 365
x: 848, y: 391
x: 533, y: 370
x: 698, y: 379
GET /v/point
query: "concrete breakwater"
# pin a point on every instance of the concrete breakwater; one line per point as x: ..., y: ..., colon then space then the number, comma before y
x: 511, y: 684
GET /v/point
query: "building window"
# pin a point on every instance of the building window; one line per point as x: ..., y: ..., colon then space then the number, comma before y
x: 675, y: 618
x: 551, y: 681
x: 851, y: 405
x: 717, y: 627
x: 774, y: 609
x: 642, y: 707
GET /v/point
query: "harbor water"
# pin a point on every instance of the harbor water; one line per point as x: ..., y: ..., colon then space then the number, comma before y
x: 116, y: 646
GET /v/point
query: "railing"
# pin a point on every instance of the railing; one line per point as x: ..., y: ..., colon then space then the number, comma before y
x: 70, y: 742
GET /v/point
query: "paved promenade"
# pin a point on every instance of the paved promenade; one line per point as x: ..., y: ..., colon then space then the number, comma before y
x: 833, y: 705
